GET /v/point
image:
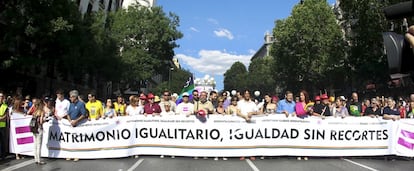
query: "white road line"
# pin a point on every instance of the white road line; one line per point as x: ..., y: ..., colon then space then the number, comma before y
x: 251, y: 164
x: 359, y: 164
x: 18, y: 166
x: 135, y: 165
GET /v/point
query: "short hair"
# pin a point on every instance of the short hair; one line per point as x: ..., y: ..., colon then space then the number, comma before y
x: 59, y: 91
x: 212, y: 92
x: 288, y: 92
x: 74, y: 93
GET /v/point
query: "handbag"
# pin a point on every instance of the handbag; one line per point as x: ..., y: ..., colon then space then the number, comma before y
x: 34, y: 125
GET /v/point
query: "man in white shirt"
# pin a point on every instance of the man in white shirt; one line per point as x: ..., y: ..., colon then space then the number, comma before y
x: 247, y: 107
x: 185, y: 107
x: 61, y: 105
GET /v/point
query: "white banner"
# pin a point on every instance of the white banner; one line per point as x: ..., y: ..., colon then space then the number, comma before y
x: 178, y: 135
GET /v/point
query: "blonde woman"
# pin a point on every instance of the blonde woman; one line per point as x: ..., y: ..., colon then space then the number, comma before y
x: 38, y: 113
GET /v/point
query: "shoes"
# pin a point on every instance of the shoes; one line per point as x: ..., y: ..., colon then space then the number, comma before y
x: 299, y: 158
x: 76, y: 159
x: 262, y: 158
x: 67, y: 159
x: 215, y: 158
x: 162, y: 156
x: 40, y: 163
x: 173, y: 157
x: 136, y: 156
x: 305, y: 158
x: 195, y: 158
x: 225, y: 158
x: 205, y: 158
x: 241, y: 158
x: 252, y: 158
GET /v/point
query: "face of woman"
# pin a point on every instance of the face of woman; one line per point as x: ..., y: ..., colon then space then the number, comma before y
x: 338, y: 102
x: 267, y: 98
x: 302, y: 97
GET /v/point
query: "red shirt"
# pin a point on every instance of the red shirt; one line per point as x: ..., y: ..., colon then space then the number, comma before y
x: 152, y: 108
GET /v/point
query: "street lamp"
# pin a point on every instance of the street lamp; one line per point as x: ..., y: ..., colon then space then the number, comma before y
x: 207, y: 83
x: 169, y: 78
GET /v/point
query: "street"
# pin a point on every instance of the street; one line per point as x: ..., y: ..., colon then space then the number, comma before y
x: 154, y: 163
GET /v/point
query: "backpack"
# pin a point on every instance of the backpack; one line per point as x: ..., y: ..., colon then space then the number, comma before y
x: 34, y: 125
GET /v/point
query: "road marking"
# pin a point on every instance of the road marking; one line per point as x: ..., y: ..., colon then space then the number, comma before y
x: 251, y: 164
x: 135, y: 165
x: 359, y: 164
x: 18, y: 166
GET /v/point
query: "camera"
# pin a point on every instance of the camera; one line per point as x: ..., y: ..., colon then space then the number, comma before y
x: 400, y: 55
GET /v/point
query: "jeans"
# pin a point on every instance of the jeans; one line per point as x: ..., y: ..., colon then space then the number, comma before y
x: 38, y: 144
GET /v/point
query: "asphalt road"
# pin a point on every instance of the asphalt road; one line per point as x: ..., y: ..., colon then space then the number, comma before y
x: 154, y: 163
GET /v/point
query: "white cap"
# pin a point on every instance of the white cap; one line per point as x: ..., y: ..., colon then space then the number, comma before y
x: 186, y: 94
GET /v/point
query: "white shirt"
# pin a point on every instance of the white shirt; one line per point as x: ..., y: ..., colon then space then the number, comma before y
x: 164, y: 113
x: 62, y: 107
x: 134, y: 111
x: 246, y: 106
x: 173, y: 106
x: 185, y: 109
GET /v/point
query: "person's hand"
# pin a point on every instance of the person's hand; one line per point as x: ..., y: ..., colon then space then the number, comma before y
x: 73, y: 123
x: 409, y: 36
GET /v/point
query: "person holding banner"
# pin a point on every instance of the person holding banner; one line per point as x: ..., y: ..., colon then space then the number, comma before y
x: 391, y: 111
x: 287, y: 105
x: 39, y: 114
x: 247, y: 109
x: 61, y: 105
x: 323, y: 109
x: 3, y: 128
x: 76, y: 112
x: 94, y: 107
x: 185, y: 107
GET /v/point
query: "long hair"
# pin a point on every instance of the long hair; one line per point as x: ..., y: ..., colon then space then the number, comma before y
x: 306, y: 94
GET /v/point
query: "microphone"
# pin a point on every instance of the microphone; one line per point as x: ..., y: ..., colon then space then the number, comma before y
x: 400, y: 10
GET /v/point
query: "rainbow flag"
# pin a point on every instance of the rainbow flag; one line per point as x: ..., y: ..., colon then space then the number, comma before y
x: 188, y: 87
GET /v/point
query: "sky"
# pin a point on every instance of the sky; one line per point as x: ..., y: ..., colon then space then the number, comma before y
x: 218, y: 33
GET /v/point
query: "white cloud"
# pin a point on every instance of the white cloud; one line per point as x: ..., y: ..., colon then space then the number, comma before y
x: 214, y: 62
x: 213, y: 21
x: 224, y: 33
x: 194, y: 29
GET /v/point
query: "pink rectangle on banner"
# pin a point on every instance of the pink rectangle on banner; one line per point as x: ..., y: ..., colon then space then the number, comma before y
x: 406, y: 144
x: 24, y: 140
x: 407, y: 134
x: 22, y: 129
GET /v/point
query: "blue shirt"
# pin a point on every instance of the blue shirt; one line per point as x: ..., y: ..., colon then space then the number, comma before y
x: 285, y: 105
x: 76, y: 110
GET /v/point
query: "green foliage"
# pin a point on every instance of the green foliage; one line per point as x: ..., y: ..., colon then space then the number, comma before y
x: 366, y: 22
x: 260, y: 76
x: 308, y: 47
x: 235, y: 77
x: 177, y: 82
x: 146, y: 39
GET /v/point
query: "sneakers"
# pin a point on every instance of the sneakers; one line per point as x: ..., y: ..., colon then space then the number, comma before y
x: 76, y: 159
x: 162, y: 156
x: 67, y: 159
x: 241, y: 158
x: 136, y: 156
x: 305, y: 158
x: 262, y: 158
x: 252, y: 158
x: 195, y: 158
x: 173, y: 157
x: 299, y: 158
x: 225, y: 158
x: 215, y: 158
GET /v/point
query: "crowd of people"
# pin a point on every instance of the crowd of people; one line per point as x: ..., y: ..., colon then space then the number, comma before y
x: 76, y: 109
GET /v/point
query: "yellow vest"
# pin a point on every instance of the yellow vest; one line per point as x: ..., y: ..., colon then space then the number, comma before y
x: 3, y: 109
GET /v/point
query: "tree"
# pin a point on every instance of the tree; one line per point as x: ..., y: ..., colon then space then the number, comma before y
x: 308, y: 47
x: 364, y: 23
x: 146, y: 38
x: 178, y: 81
x: 235, y: 77
x: 260, y: 76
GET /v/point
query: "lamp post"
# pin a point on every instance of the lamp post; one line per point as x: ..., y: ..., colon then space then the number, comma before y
x: 206, y: 83
x: 169, y: 78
